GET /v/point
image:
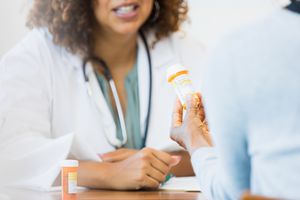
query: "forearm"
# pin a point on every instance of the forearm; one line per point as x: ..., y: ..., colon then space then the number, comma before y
x: 95, y: 175
x: 211, y: 178
x: 184, y: 168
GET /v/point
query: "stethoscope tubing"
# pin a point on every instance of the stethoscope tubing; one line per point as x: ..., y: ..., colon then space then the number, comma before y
x: 111, y: 82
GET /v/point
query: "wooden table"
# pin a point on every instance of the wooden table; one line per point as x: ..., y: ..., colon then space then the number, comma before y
x: 161, y: 195
x: 9, y: 194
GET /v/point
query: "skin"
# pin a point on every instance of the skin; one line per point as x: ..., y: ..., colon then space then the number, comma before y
x: 145, y: 169
x: 116, y: 43
x: 191, y: 132
x: 183, y: 168
x: 116, y: 39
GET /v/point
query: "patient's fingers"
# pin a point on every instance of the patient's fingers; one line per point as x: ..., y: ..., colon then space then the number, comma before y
x: 193, y: 106
x: 177, y: 114
x: 201, y: 107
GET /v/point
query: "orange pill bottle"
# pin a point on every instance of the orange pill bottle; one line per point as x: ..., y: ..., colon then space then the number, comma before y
x: 69, y: 179
x: 178, y: 76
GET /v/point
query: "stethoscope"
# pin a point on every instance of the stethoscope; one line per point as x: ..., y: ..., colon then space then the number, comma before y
x: 116, y: 143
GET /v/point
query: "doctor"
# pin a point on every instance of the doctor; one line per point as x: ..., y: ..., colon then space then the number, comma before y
x: 90, y: 79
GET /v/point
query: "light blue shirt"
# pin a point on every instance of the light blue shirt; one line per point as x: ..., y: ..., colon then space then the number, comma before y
x: 252, y: 97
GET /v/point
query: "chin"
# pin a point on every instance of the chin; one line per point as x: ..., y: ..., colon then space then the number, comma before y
x: 127, y: 29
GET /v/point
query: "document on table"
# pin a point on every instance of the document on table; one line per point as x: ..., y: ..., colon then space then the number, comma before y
x: 59, y: 188
x: 188, y: 184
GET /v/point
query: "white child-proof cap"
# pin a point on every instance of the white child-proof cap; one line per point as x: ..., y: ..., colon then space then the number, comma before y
x: 70, y: 163
x: 174, y: 69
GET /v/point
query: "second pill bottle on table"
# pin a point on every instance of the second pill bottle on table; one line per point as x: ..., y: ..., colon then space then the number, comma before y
x: 69, y: 179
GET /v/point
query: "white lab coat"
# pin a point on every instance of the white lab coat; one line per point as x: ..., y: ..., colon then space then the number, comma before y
x: 46, y: 114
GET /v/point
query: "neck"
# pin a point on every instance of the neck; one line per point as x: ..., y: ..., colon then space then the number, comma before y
x: 115, y: 49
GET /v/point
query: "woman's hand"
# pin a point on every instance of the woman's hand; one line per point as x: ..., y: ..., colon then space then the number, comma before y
x: 118, y: 155
x: 144, y: 170
x: 192, y: 132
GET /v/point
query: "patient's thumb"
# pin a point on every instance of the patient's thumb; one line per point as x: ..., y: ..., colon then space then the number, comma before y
x: 175, y: 160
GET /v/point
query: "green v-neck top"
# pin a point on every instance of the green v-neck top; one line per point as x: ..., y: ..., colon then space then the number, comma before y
x: 132, y: 113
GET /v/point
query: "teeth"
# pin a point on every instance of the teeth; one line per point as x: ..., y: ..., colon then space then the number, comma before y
x: 125, y: 9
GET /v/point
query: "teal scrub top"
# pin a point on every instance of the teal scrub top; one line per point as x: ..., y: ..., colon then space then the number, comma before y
x: 132, y: 114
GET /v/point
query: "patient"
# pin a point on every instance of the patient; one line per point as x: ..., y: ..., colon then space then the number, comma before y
x: 251, y: 95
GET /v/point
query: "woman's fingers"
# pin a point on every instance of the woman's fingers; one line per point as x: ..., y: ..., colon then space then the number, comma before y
x: 177, y: 114
x: 150, y: 183
x: 145, y: 169
x: 193, y: 106
x: 159, y: 165
x: 201, y: 107
x: 165, y: 158
x: 175, y: 160
x: 156, y: 174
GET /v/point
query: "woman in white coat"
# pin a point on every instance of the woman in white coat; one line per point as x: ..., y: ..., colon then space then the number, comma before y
x: 56, y: 102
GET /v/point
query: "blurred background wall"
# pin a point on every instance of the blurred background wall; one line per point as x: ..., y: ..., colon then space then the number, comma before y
x: 12, y: 22
x: 209, y: 19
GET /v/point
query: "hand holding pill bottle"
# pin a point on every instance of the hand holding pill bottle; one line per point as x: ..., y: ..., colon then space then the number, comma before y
x: 178, y: 76
x: 69, y: 179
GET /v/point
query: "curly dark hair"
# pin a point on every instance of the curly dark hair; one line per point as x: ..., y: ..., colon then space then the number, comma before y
x: 75, y: 31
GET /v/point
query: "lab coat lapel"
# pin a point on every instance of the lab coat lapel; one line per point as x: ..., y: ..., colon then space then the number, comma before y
x: 161, y: 55
x: 143, y: 81
x: 98, y: 99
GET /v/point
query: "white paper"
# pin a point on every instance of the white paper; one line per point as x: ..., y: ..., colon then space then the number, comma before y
x: 187, y: 184
x: 58, y: 189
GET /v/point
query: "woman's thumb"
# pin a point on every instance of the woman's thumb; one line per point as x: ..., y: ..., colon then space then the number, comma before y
x: 175, y: 160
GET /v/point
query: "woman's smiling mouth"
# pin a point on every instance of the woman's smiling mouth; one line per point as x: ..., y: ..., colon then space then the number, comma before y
x: 126, y: 12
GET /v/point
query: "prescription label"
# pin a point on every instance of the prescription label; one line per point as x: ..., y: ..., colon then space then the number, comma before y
x: 183, y: 86
x: 72, y: 183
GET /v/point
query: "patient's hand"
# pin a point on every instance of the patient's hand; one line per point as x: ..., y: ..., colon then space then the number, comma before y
x: 192, y: 132
x: 118, y: 155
